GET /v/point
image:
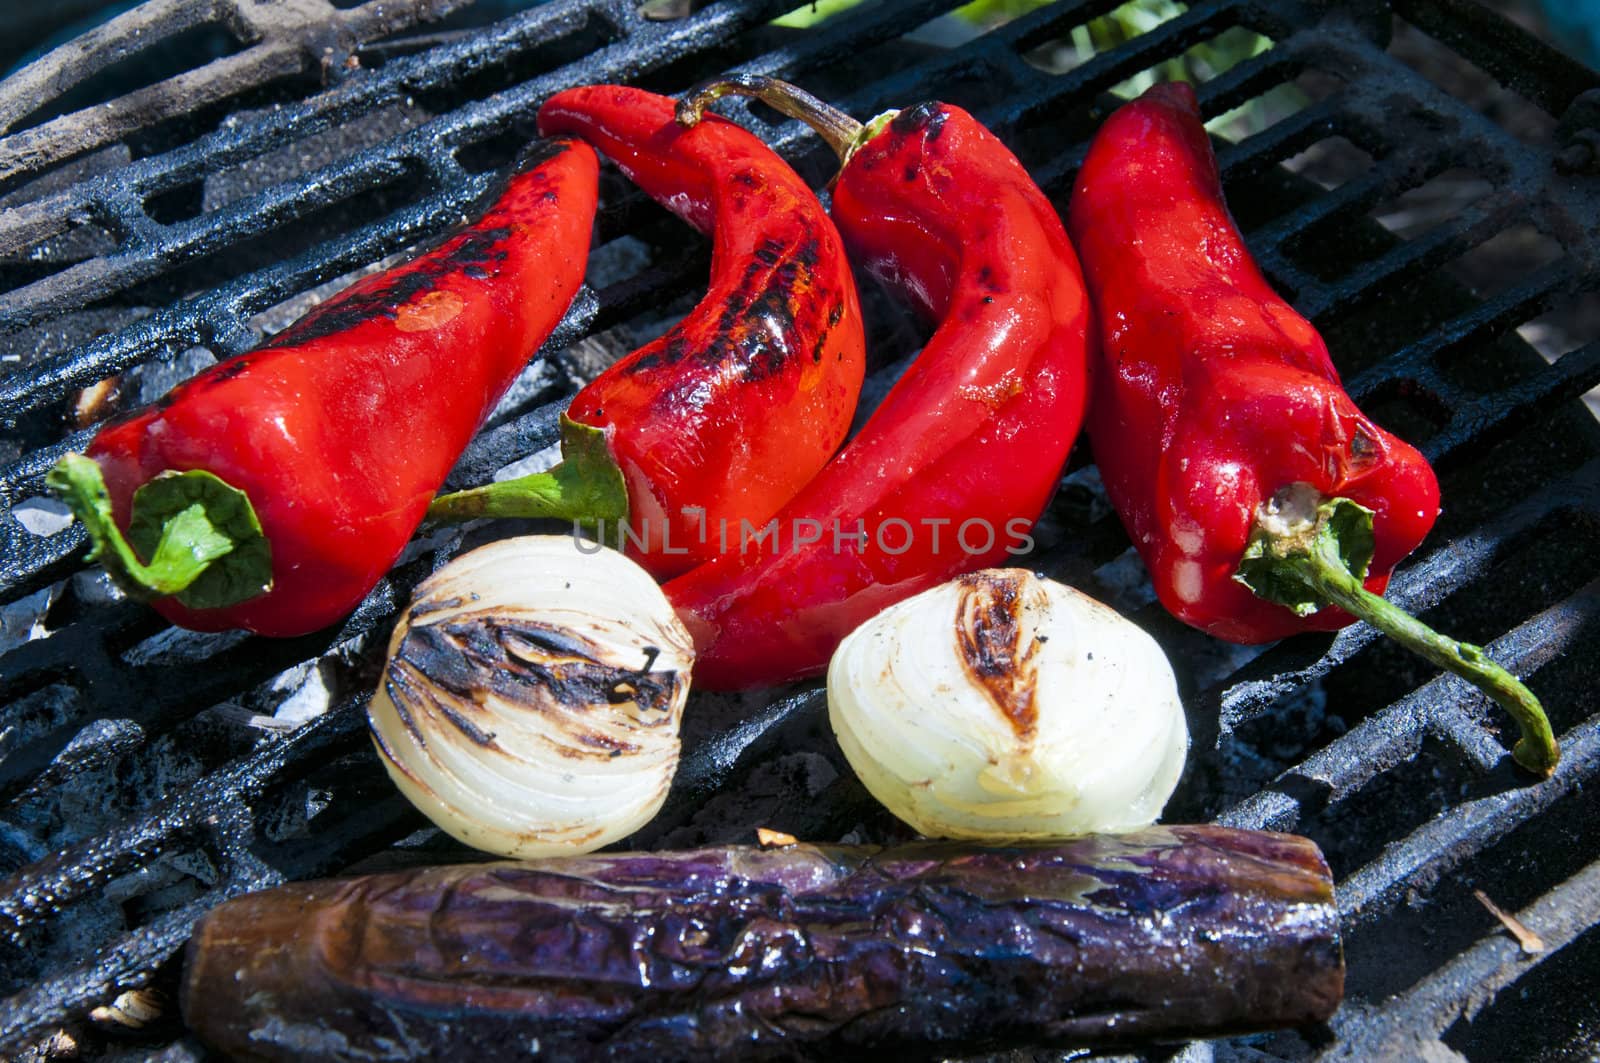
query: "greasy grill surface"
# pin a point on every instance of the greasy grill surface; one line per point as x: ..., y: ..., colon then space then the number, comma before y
x: 147, y: 774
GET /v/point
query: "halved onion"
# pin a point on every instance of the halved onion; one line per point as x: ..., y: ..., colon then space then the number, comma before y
x: 531, y: 701
x: 1003, y: 706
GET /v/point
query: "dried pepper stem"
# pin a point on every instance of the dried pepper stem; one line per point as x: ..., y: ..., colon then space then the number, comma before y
x: 841, y: 132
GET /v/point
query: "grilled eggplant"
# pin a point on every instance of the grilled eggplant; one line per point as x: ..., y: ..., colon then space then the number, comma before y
x: 803, y: 951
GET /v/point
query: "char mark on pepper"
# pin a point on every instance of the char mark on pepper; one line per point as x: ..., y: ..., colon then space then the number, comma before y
x: 477, y: 250
x: 928, y: 116
x: 756, y: 328
x: 229, y: 370
x: 541, y: 150
x: 733, y: 331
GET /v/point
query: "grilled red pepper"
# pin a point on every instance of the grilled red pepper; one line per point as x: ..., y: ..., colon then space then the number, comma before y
x: 963, y: 454
x: 731, y: 412
x: 272, y: 491
x: 1262, y: 501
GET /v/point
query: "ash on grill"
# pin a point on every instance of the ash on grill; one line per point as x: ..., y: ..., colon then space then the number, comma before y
x: 1432, y: 222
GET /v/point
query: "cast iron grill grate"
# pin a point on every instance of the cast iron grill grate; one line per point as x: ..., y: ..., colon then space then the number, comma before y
x: 146, y: 774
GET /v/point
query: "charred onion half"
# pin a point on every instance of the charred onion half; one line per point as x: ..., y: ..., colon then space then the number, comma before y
x: 1005, y: 706
x: 532, y: 696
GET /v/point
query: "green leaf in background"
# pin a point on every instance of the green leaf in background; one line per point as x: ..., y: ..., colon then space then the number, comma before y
x: 802, y: 18
x: 1200, y: 63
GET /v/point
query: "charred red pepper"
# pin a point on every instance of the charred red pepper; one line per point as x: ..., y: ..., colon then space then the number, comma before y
x: 730, y: 413
x: 275, y: 489
x: 1262, y: 500
x: 963, y: 454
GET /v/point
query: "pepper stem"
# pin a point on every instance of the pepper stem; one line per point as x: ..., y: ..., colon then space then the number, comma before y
x: 586, y: 488
x: 841, y: 132
x: 202, y: 536
x: 1307, y: 551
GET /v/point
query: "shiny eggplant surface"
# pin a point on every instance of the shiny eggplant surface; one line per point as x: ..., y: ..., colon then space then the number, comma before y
x: 800, y: 952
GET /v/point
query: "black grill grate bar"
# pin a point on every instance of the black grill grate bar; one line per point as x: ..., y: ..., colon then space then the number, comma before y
x: 864, y: 27
x: 31, y: 563
x: 1469, y: 982
x: 156, y: 247
x: 124, y: 217
x: 1242, y: 82
x: 1421, y: 254
x: 1354, y: 196
x: 1502, y: 48
x: 1491, y: 417
x: 1283, y: 139
x: 275, y: 44
x: 1194, y: 26
x: 226, y: 334
x: 1396, y: 102
x: 25, y: 476
x: 31, y: 895
x: 910, y: 85
x: 57, y: 377
x: 129, y: 960
x: 1453, y: 724
x: 241, y: 142
x: 1464, y: 831
x: 1484, y: 322
x: 1392, y: 736
x: 178, y: 327
x: 999, y: 49
x: 212, y: 807
x: 42, y: 761
x: 125, y: 964
x: 1422, y: 584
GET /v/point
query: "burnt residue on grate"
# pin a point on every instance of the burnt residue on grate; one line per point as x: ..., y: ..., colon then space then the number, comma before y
x: 1410, y: 174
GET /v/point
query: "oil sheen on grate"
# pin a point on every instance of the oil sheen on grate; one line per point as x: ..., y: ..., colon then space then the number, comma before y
x: 1418, y: 177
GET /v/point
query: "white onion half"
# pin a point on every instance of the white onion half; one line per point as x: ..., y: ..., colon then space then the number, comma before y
x: 531, y: 701
x: 1003, y: 706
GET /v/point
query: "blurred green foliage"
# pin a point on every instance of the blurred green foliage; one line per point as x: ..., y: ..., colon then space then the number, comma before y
x: 1200, y: 63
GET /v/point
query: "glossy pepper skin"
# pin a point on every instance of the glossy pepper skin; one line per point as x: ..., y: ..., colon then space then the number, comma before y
x: 731, y: 412
x: 977, y: 430
x: 341, y: 428
x: 1213, y: 393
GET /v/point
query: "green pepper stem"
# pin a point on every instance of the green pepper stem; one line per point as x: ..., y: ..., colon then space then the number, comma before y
x: 1322, y: 558
x: 841, y: 132
x: 587, y: 487
x: 187, y: 523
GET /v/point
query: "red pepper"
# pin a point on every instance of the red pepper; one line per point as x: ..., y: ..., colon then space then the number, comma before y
x: 960, y: 458
x: 731, y: 412
x: 1261, y: 499
x: 275, y: 489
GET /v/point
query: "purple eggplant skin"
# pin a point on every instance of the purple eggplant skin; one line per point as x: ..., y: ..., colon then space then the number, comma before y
x: 804, y: 952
